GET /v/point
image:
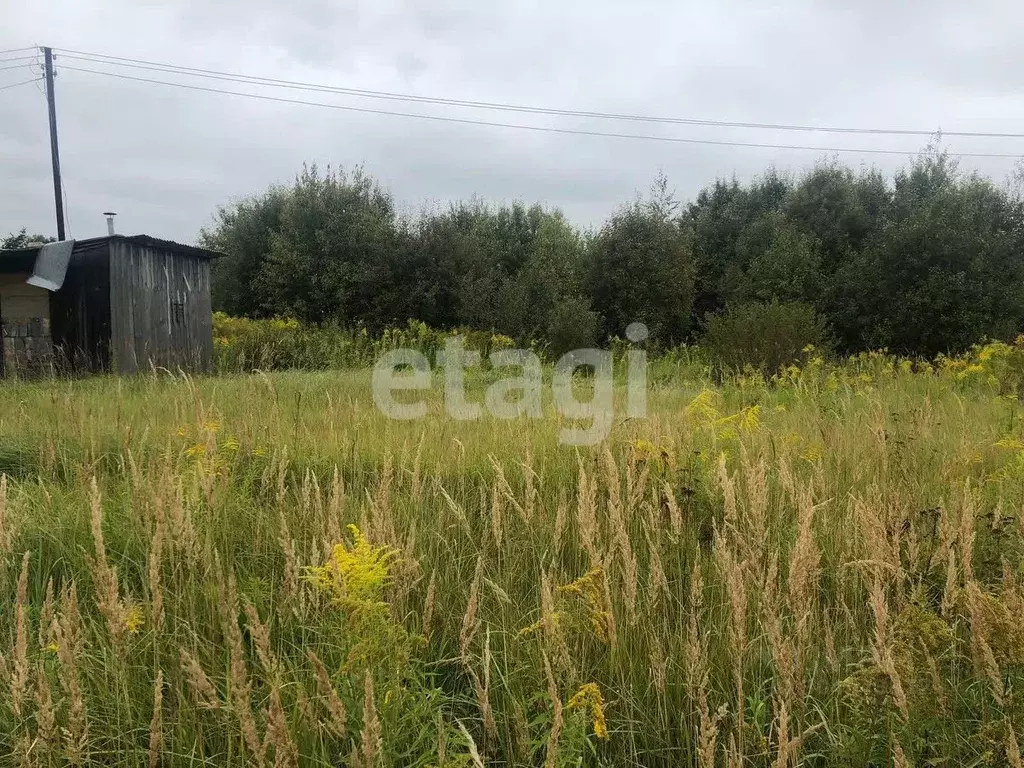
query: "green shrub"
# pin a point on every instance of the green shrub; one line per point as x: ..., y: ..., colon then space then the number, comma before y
x: 765, y: 336
x: 573, y: 325
x: 242, y: 344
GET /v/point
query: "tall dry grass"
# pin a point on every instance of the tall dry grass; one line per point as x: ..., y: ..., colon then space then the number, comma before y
x: 824, y: 569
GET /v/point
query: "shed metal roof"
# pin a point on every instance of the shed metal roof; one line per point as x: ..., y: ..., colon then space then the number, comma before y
x: 17, y: 255
x: 19, y: 260
x: 151, y: 242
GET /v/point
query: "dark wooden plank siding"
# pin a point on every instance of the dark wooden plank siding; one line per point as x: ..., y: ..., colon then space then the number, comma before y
x: 160, y: 309
x: 80, y: 311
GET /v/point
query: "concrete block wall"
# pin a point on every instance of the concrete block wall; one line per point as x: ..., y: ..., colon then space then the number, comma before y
x: 27, y: 347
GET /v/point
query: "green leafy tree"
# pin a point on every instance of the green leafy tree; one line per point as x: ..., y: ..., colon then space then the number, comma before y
x: 840, y: 209
x: 923, y: 263
x: 22, y: 239
x: 547, y: 280
x: 502, y: 269
x: 640, y: 268
x: 321, y: 250
x: 719, y: 221
x: 774, y: 261
x: 948, y: 262
x: 463, y: 273
x: 243, y: 234
x: 844, y: 213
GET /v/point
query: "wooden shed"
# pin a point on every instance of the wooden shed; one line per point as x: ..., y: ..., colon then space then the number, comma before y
x: 109, y: 304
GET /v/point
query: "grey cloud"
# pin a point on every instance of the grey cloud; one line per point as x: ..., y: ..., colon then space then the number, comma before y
x: 166, y: 158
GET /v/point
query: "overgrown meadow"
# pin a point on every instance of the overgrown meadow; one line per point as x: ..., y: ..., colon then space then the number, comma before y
x: 823, y: 567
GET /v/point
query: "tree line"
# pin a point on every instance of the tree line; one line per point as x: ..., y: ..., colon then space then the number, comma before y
x: 927, y: 261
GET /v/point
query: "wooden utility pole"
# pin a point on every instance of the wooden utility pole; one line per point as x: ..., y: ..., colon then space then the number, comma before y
x: 58, y: 197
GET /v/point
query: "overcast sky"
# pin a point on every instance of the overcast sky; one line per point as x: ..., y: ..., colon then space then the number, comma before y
x: 164, y: 158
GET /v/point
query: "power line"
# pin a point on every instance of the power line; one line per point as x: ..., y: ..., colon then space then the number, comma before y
x: 18, y: 50
x: 538, y: 128
x: 16, y: 66
x: 19, y: 58
x: 97, y: 58
x: 23, y: 82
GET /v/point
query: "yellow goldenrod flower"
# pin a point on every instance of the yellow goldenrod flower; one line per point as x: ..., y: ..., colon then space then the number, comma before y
x: 134, y: 619
x: 750, y: 418
x: 588, y: 586
x: 702, y: 408
x: 357, y: 574
x: 589, y: 697
x: 537, y: 625
x: 645, y: 448
x: 812, y: 453
x: 967, y: 370
x: 1010, y: 444
x: 501, y: 341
